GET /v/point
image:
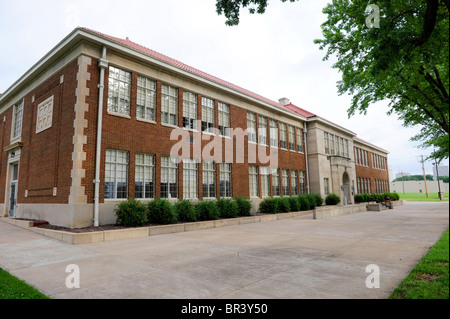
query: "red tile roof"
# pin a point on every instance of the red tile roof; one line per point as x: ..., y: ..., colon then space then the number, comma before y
x: 126, y: 42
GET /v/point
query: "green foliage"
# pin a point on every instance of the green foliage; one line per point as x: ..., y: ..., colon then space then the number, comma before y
x: 413, y: 178
x: 131, y: 213
x: 318, y: 199
x: 231, y: 8
x: 269, y: 205
x: 379, y: 198
x: 13, y: 288
x: 284, y: 205
x: 405, y: 61
x: 304, y: 202
x: 244, y: 206
x: 294, y: 204
x: 207, y: 210
x: 161, y: 211
x: 332, y: 199
x: 227, y: 208
x: 185, y: 211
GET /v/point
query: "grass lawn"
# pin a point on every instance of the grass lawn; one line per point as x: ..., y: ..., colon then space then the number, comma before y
x: 430, y: 278
x: 14, y: 288
x: 422, y: 197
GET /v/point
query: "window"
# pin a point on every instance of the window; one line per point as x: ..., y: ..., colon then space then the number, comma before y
x: 253, y: 181
x: 251, y: 127
x: 116, y: 174
x: 262, y: 130
x: 283, y: 136
x: 285, y: 182
x: 190, y: 179
x: 294, y: 183
x: 276, y: 182
x: 302, y: 182
x: 225, y: 180
x: 169, y: 105
x: 17, y: 120
x: 189, y: 110
x: 291, y: 138
x: 209, y: 179
x: 207, y: 115
x: 144, y: 185
x: 273, y: 133
x: 326, y: 186
x: 265, y: 181
x: 300, y: 140
x: 332, y: 145
x: 119, y: 88
x: 224, y: 119
x: 169, y: 177
x: 346, y: 154
x: 326, y: 142
x: 146, y: 99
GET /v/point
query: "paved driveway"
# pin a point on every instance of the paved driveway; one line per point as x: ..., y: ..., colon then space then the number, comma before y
x: 291, y: 258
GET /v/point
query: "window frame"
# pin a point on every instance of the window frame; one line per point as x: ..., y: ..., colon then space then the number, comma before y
x: 149, y: 102
x: 190, y: 110
x: 17, y: 120
x: 206, y: 174
x: 168, y: 115
x: 117, y: 164
x: 145, y: 168
x: 166, y: 171
x: 190, y: 178
x: 123, y: 91
x: 225, y: 169
x: 208, y: 111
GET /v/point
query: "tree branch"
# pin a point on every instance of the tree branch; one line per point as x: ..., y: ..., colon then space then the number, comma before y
x: 429, y: 23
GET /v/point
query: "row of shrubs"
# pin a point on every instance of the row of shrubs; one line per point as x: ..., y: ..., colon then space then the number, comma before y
x: 133, y: 213
x: 274, y: 205
x: 379, y: 198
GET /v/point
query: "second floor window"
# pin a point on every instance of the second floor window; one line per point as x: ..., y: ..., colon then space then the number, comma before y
x: 189, y: 110
x: 224, y: 119
x: 207, y: 115
x: 169, y: 105
x: 119, y: 88
x: 262, y: 130
x: 17, y: 120
x: 251, y: 127
x: 273, y: 133
x: 146, y: 99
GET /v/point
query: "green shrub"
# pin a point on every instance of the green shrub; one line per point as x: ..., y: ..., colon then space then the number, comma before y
x: 227, y: 208
x: 312, y: 201
x: 332, y: 199
x: 294, y: 203
x: 358, y: 198
x: 185, y: 211
x: 207, y: 210
x: 161, y: 211
x: 244, y: 206
x: 269, y: 205
x: 317, y: 198
x: 304, y: 202
x: 284, y: 205
x: 131, y: 213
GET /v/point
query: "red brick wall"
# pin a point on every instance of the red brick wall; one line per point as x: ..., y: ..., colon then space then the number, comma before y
x: 46, y: 158
x: 141, y: 137
x: 372, y: 173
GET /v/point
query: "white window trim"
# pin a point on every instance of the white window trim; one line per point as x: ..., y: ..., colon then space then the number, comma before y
x: 13, y: 123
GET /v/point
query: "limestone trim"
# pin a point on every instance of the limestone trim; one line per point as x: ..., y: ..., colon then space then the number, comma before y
x: 77, y: 191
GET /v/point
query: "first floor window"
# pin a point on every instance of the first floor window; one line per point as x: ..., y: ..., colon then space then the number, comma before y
x: 190, y: 179
x: 265, y: 181
x: 144, y: 185
x: 294, y: 183
x: 209, y: 179
x: 326, y: 186
x: 116, y: 174
x: 253, y: 181
x: 276, y: 182
x: 285, y: 181
x: 169, y: 177
x: 302, y: 182
x: 225, y: 180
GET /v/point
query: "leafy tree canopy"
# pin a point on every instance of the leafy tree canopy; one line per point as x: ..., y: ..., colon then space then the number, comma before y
x: 404, y: 60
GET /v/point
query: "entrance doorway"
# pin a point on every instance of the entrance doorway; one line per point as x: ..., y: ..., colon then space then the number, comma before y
x: 13, y: 189
x: 346, y: 186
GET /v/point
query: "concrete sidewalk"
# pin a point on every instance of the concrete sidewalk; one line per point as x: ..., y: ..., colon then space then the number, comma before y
x: 292, y: 258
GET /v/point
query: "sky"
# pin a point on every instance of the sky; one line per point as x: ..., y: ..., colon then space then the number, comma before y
x: 271, y: 54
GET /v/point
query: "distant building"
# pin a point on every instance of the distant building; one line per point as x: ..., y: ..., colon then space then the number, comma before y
x: 418, y: 187
x: 398, y: 175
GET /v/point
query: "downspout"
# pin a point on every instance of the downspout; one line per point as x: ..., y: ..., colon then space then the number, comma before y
x: 103, y: 64
x: 305, y: 132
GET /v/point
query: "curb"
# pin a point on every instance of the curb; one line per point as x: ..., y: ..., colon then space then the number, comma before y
x: 110, y: 235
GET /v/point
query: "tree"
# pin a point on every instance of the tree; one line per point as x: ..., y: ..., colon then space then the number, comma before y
x: 231, y: 8
x: 405, y: 61
x: 413, y: 178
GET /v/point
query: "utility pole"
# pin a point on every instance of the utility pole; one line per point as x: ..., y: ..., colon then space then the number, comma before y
x: 424, y: 176
x: 437, y: 176
x: 403, y: 182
